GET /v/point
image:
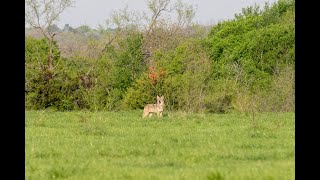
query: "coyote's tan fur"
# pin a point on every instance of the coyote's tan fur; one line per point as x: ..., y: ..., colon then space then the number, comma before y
x: 154, y: 108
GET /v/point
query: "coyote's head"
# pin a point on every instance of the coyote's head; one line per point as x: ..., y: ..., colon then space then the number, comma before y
x: 160, y: 101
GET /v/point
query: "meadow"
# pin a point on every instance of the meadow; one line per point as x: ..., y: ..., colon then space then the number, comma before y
x: 122, y: 145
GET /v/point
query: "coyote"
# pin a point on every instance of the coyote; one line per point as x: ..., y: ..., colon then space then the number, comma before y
x: 154, y: 108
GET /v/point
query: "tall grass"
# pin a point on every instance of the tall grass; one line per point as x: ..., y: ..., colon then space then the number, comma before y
x: 122, y: 145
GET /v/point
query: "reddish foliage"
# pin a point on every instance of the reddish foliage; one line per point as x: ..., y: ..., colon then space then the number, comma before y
x: 152, y: 75
x: 155, y: 75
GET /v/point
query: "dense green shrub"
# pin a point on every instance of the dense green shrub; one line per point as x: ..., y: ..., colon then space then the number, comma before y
x: 36, y: 56
x: 251, y: 51
x: 115, y: 71
x: 61, y: 92
x: 184, y: 74
x: 245, y: 64
x: 43, y: 90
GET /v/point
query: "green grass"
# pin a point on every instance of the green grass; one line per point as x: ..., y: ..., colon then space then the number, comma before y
x: 122, y: 145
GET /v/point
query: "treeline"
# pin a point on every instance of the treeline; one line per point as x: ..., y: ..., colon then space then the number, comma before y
x: 245, y: 64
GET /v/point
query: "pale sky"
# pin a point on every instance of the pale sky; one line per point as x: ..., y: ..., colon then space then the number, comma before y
x: 94, y: 12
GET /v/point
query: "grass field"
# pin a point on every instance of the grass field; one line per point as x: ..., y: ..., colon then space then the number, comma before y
x: 122, y: 145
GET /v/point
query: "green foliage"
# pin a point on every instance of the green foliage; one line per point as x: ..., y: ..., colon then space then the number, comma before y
x: 195, y: 69
x: 115, y: 72
x: 40, y: 90
x: 37, y: 51
x: 220, y: 96
x: 216, y: 176
x: 60, y: 92
x: 83, y: 29
x: 183, y: 84
x: 252, y: 49
x: 245, y: 64
x: 141, y: 93
x: 127, y: 62
x: 250, y: 11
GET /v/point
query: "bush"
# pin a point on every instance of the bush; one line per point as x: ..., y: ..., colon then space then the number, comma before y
x: 59, y: 92
x: 246, y: 65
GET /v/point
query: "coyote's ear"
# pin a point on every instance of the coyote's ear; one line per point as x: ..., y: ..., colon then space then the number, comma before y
x: 162, y: 97
x: 158, y: 97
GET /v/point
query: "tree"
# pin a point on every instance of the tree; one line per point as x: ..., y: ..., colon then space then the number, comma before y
x: 41, y: 14
x: 68, y: 28
x: 53, y: 28
x: 251, y: 11
x: 83, y: 29
x: 122, y: 21
x: 161, y: 29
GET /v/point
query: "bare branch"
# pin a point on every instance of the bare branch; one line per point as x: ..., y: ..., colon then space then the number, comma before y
x: 110, y: 41
x: 157, y: 6
x: 40, y: 14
